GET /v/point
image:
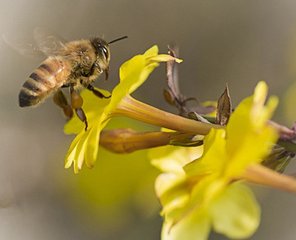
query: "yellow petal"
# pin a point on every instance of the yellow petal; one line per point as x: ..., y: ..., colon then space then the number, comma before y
x: 70, y: 156
x: 164, y: 58
x: 196, y: 226
x: 153, y: 51
x: 235, y: 213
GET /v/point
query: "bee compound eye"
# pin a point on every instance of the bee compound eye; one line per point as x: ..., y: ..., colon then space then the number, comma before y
x: 105, y: 52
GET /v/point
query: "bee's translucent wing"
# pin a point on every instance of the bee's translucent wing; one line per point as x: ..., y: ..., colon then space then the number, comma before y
x: 44, y: 43
x: 48, y: 42
x: 22, y: 47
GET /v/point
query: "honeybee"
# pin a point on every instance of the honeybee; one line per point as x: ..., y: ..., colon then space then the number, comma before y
x: 75, y: 64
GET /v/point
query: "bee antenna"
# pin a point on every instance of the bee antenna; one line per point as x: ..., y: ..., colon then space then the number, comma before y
x: 117, y: 39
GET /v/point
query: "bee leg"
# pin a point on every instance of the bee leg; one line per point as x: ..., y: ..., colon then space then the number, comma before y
x: 76, y: 103
x: 60, y: 100
x: 81, y: 115
x: 96, y: 92
x: 65, y: 85
x: 106, y: 73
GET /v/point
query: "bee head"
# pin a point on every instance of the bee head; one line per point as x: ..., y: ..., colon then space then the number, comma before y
x: 102, y: 50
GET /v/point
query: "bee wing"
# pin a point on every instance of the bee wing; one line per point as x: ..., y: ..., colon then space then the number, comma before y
x: 21, y: 47
x: 47, y: 42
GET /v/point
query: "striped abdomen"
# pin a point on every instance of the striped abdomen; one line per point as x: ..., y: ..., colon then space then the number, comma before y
x: 48, y: 77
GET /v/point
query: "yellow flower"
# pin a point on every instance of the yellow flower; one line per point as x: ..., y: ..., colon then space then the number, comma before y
x: 207, y: 194
x: 133, y: 73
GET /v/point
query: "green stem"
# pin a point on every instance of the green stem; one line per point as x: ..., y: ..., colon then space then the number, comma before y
x: 135, y: 109
x: 128, y: 140
x: 262, y: 175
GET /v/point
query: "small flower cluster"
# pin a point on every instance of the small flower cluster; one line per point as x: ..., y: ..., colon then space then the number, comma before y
x: 202, y: 184
x: 207, y: 191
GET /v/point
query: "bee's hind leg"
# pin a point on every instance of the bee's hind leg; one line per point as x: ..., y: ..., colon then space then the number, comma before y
x: 60, y: 100
x: 96, y: 91
x: 76, y: 103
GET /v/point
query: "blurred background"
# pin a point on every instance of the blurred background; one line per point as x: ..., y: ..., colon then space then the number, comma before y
x: 234, y: 42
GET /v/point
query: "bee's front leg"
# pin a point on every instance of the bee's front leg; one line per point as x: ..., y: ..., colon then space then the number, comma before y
x: 60, y: 100
x: 76, y: 103
x: 96, y: 91
x: 106, y: 73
